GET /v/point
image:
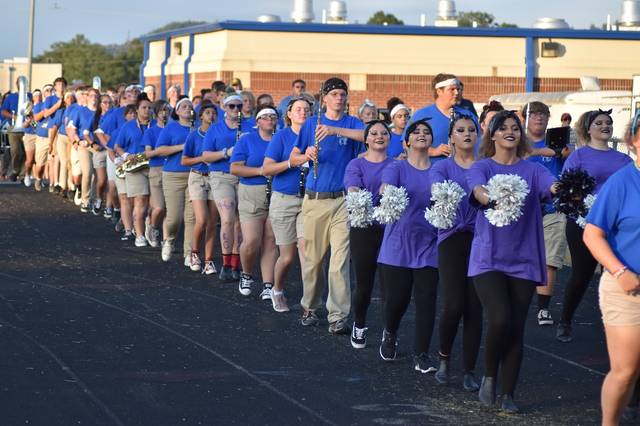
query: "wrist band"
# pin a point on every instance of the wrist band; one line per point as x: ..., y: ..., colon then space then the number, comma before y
x: 619, y: 272
x: 288, y: 164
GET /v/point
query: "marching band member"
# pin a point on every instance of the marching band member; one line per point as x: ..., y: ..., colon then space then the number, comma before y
x: 248, y: 111
x: 150, y: 90
x: 41, y: 147
x: 29, y: 142
x: 507, y: 263
x: 218, y: 147
x: 365, y: 172
x: 600, y: 161
x: 325, y: 215
x: 408, y: 253
x: 204, y: 208
x: 285, y: 209
x: 298, y: 87
x: 253, y: 203
x: 63, y: 146
x: 8, y: 110
x: 173, y: 95
x: 84, y: 151
x: 129, y: 143
x: 156, y: 163
x: 175, y: 181
x: 367, y: 111
x: 399, y: 114
x: 460, y: 300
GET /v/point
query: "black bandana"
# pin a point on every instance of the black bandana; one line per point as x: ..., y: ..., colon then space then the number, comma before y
x: 333, y: 84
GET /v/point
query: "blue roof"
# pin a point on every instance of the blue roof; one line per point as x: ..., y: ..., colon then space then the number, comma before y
x: 394, y: 30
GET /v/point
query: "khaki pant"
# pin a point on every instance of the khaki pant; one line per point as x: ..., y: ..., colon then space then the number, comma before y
x: 86, y: 165
x: 62, y: 143
x: 325, y: 224
x: 17, y: 153
x: 179, y: 209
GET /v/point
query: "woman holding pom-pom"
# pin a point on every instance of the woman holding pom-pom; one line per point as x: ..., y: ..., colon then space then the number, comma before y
x: 365, y: 174
x: 507, y: 260
x: 408, y: 254
x: 454, y: 247
x: 595, y: 128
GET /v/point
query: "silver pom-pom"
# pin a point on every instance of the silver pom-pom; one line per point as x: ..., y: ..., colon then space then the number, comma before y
x: 360, y: 208
x: 393, y: 203
x: 445, y: 197
x: 588, y: 203
x: 508, y: 193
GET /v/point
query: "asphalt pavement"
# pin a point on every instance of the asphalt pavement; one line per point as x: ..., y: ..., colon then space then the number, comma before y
x: 95, y: 331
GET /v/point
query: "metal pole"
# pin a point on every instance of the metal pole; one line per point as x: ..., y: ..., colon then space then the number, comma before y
x: 32, y: 15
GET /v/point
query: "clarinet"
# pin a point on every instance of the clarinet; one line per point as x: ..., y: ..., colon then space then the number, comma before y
x: 301, y: 183
x: 316, y: 143
x: 268, y: 189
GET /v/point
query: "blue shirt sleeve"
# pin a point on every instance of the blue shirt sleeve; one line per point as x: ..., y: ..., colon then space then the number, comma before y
x: 306, y: 136
x: 190, y: 146
x: 604, y: 212
x: 241, y: 150
x: 164, y: 139
x: 121, y: 139
x: 275, y: 148
x: 209, y: 143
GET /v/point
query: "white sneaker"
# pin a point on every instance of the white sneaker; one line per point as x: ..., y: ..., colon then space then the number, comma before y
x: 167, y: 250
x: 194, y: 262
x: 187, y: 261
x: 27, y: 180
x: 155, y: 237
x: 77, y: 200
x: 141, y: 241
x: 209, y: 268
x: 148, y: 231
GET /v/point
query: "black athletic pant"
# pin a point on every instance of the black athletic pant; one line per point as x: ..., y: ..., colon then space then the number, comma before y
x: 364, y: 244
x: 398, y: 284
x: 460, y: 299
x: 506, y: 303
x: 583, y: 265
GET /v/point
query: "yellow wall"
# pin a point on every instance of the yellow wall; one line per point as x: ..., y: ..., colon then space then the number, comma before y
x: 175, y: 64
x: 41, y: 74
x: 601, y: 58
x: 209, y: 52
x: 156, y: 56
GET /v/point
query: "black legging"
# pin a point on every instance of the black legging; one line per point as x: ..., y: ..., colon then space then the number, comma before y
x: 460, y: 299
x: 583, y: 266
x: 506, y: 303
x: 398, y: 284
x: 364, y: 244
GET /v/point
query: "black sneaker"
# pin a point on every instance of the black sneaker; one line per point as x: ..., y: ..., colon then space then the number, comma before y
x: 127, y: 236
x: 84, y: 208
x: 244, y: 286
x: 358, y: 337
x: 309, y: 318
x: 108, y: 213
x: 563, y: 333
x: 267, y: 292
x: 389, y: 346
x: 225, y: 273
x: 544, y: 317
x: 339, y: 327
x: 423, y: 364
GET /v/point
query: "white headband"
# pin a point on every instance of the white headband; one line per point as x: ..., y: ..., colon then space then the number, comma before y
x: 132, y: 87
x: 397, y: 109
x: 181, y: 101
x: 232, y: 98
x: 266, y: 111
x: 450, y: 82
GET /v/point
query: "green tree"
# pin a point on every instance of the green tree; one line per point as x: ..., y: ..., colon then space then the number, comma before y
x: 177, y: 25
x: 466, y: 19
x: 381, y: 18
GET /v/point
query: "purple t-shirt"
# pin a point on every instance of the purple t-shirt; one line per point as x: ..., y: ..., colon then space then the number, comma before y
x: 599, y: 164
x: 364, y: 174
x: 466, y: 215
x: 411, y: 242
x: 517, y: 249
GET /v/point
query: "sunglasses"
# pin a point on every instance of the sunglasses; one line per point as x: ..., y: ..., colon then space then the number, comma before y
x: 234, y: 106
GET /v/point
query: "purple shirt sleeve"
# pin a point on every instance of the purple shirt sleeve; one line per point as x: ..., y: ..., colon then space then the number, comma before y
x: 353, y: 175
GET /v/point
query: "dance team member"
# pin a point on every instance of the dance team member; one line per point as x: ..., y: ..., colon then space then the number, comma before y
x: 408, y: 258
x: 253, y: 203
x: 204, y: 208
x: 599, y: 161
x: 460, y: 301
x: 325, y: 214
x: 506, y: 263
x: 365, y: 172
x: 285, y: 209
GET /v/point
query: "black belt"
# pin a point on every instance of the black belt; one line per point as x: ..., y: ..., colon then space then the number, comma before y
x: 200, y: 173
x: 325, y: 195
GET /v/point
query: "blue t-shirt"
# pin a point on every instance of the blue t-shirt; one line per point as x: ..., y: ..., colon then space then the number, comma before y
x: 60, y: 119
x: 114, y: 119
x: 617, y: 212
x: 112, y: 140
x: 10, y: 103
x: 48, y: 103
x: 279, y: 149
x: 248, y: 124
x: 335, y: 152
x: 193, y: 148
x: 250, y: 149
x: 395, y: 147
x: 439, y: 124
x: 282, y: 106
x: 73, y: 115
x: 553, y: 164
x: 85, y: 121
x: 174, y: 134
x: 219, y: 137
x: 42, y: 129
x: 130, y: 137
x: 149, y: 139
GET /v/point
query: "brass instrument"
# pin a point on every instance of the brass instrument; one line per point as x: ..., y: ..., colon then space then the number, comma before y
x: 316, y: 142
x: 132, y: 164
x: 23, y: 109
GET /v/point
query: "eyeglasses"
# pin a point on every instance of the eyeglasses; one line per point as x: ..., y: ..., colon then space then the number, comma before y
x: 234, y: 106
x: 268, y: 117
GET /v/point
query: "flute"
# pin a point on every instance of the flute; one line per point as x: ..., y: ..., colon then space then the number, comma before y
x: 316, y: 143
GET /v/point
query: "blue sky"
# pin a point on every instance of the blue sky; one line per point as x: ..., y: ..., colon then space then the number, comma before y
x: 113, y: 21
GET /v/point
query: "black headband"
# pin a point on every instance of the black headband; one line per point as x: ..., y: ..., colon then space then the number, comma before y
x: 592, y: 116
x: 333, y: 84
x: 371, y: 124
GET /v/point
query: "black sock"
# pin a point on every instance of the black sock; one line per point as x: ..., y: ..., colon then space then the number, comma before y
x: 543, y: 301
